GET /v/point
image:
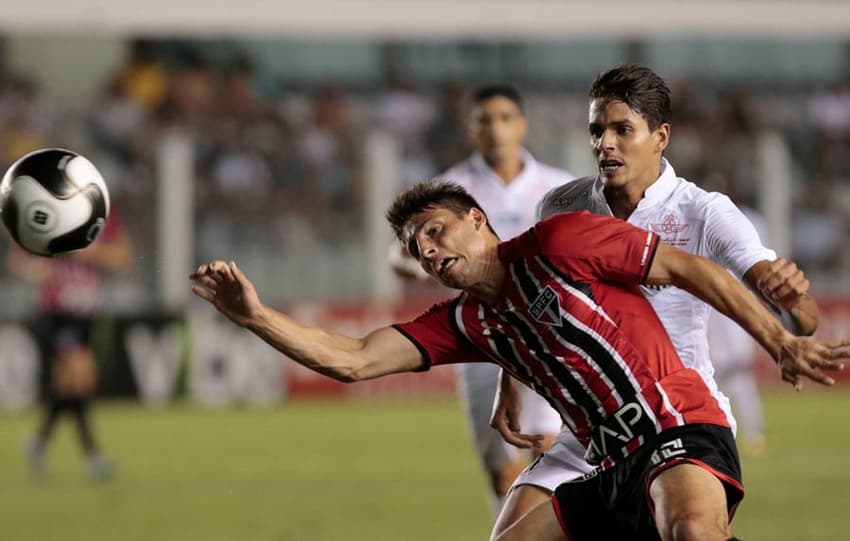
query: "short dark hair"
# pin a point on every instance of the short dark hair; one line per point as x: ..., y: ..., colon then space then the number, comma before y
x: 643, y: 90
x: 484, y: 93
x: 425, y: 195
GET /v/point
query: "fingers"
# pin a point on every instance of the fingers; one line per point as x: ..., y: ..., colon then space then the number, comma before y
x: 523, y: 441
x: 207, y: 281
x: 815, y: 375
x: 840, y: 349
x: 517, y: 438
x: 811, y: 359
x: 205, y: 294
x: 510, y: 431
x: 216, y: 269
x: 236, y: 272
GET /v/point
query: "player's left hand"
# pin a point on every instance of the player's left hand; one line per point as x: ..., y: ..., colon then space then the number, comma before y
x: 807, y: 357
x: 505, y: 417
x: 783, y: 284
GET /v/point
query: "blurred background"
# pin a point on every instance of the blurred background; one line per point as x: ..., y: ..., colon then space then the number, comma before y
x: 276, y: 134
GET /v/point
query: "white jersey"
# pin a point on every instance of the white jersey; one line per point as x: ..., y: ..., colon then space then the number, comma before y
x: 686, y: 216
x: 731, y: 348
x: 510, y: 207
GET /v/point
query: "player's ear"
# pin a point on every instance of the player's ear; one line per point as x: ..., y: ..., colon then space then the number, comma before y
x: 662, y: 137
x: 478, y: 218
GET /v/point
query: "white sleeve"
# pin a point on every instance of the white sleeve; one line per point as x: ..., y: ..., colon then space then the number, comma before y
x: 731, y: 238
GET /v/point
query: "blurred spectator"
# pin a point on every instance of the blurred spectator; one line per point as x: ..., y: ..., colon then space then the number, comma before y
x: 143, y: 79
x: 829, y: 114
x: 446, y: 139
x: 406, y: 112
x: 24, y: 122
x: 328, y: 149
x: 819, y: 226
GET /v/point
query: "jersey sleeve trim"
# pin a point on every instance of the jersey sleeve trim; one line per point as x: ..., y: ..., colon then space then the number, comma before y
x: 426, y: 359
x: 652, y: 249
x: 453, y: 321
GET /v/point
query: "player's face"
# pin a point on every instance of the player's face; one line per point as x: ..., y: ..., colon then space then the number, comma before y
x: 497, y: 129
x: 448, y: 246
x: 626, y: 151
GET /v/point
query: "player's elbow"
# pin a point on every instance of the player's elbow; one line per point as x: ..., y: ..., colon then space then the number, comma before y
x: 348, y: 376
x: 353, y: 372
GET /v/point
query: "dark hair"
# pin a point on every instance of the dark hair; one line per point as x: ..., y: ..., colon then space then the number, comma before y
x: 643, y: 90
x: 425, y: 195
x: 484, y: 93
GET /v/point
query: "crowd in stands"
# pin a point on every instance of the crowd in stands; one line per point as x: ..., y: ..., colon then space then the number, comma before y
x: 280, y: 177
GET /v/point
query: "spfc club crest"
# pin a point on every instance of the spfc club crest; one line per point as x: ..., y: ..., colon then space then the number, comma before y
x: 546, y: 308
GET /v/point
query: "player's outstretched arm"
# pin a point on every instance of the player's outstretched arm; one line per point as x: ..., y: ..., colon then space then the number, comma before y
x: 505, y: 418
x: 384, y: 351
x: 785, y: 286
x: 796, y: 356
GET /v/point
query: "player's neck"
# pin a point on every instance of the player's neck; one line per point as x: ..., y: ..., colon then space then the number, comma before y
x: 624, y: 199
x: 489, y: 288
x: 507, y: 169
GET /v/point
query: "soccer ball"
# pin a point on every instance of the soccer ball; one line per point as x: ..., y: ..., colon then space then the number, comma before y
x: 53, y: 201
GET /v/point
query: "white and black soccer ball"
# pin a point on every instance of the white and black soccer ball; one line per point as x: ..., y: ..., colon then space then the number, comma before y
x: 53, y: 201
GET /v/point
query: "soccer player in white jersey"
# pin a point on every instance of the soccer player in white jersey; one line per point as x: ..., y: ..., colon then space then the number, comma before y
x: 507, y: 181
x: 629, y: 123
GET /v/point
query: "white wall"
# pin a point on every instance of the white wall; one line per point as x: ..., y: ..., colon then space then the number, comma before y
x: 409, y: 18
x: 65, y: 65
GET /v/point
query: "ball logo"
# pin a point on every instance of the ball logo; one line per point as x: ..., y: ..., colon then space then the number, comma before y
x: 41, y: 217
x: 95, y: 229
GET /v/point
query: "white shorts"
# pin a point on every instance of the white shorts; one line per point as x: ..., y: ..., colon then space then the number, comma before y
x: 562, y: 463
x: 477, y: 385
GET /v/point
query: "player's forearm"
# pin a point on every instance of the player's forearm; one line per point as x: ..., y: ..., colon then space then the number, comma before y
x: 805, y: 317
x: 332, y: 355
x: 720, y: 289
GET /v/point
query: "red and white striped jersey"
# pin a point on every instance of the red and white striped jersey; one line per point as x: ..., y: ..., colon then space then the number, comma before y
x: 75, y: 287
x: 573, y: 324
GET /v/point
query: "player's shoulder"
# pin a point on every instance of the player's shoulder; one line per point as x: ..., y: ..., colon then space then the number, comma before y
x: 699, y: 200
x: 439, y: 309
x: 460, y: 172
x: 554, y: 230
x: 572, y: 195
x: 554, y: 175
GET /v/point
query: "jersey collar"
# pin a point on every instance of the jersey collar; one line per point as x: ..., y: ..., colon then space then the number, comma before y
x: 658, y: 191
x: 529, y: 169
x: 661, y: 188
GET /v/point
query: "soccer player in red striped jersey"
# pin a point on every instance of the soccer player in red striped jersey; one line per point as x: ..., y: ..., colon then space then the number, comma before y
x: 560, y: 308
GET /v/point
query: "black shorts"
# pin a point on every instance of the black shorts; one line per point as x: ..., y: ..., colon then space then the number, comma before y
x: 614, y: 504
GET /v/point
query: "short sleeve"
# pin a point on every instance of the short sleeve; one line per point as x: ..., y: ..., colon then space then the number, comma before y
x: 597, y: 248
x: 438, y: 339
x: 731, y: 238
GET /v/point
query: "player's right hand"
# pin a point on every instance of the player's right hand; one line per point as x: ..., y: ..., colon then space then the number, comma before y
x: 807, y: 357
x: 505, y: 417
x: 225, y: 286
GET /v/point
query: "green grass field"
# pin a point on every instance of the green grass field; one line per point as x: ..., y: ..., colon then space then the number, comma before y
x: 358, y: 470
